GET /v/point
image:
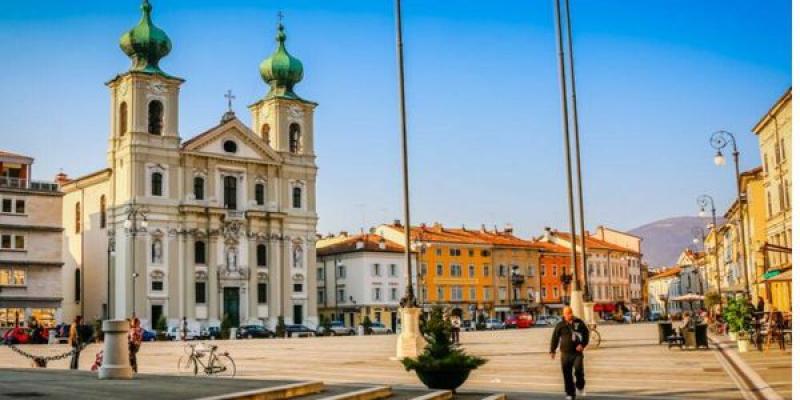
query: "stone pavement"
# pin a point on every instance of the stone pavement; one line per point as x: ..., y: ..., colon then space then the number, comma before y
x: 773, y: 367
x: 628, y: 365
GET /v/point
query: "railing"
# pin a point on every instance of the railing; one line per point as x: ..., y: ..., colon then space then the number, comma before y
x: 234, y: 215
x: 22, y: 183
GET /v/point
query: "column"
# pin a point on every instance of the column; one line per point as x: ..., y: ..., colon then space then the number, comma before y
x: 273, y: 268
x: 252, y: 284
x: 187, y: 275
x: 213, y: 281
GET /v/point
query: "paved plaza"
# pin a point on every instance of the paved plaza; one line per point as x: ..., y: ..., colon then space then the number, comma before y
x: 629, y: 364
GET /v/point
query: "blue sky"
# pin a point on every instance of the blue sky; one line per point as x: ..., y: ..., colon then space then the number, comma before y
x: 654, y: 80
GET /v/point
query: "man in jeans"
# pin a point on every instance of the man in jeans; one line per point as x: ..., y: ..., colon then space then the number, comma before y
x: 75, y: 340
x: 572, y: 336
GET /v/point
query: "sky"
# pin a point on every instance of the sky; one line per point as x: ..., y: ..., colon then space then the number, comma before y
x: 654, y: 80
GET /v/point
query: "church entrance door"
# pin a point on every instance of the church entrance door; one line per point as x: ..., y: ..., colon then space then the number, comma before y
x: 230, y: 305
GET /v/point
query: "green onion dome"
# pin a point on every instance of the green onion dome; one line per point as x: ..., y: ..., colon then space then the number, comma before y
x: 281, y: 71
x: 145, y: 44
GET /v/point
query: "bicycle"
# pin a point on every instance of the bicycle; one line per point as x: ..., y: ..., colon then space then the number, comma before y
x: 594, y: 336
x: 219, y: 364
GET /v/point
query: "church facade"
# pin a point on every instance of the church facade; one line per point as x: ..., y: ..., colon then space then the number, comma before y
x: 218, y: 226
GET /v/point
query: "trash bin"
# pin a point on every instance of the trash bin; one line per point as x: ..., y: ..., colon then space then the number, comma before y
x: 664, y: 331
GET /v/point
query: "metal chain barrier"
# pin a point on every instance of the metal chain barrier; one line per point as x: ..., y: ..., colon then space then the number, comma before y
x: 41, y: 361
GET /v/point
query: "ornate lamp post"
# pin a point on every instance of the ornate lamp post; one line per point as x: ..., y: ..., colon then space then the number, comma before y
x: 135, y: 223
x: 706, y: 202
x: 420, y: 247
x: 566, y: 279
x: 720, y: 140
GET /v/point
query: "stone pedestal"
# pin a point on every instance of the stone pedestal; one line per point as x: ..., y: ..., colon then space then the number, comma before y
x: 116, y: 364
x: 588, y: 313
x: 576, y: 303
x: 410, y: 342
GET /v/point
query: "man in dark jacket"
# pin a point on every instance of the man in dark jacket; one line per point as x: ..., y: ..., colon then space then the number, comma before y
x: 572, y: 336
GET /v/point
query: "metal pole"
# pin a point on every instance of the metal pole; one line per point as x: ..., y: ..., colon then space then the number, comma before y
x: 716, y: 247
x: 578, y: 168
x: 741, y: 221
x: 567, y: 147
x: 409, y: 300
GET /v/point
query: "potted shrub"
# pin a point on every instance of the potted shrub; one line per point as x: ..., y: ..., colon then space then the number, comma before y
x: 366, y: 325
x: 738, y: 315
x: 225, y: 327
x: 442, y: 365
x: 325, y: 324
x: 481, y: 325
x: 161, y: 328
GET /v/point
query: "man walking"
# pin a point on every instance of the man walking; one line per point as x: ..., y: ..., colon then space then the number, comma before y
x: 75, y: 340
x: 572, y: 336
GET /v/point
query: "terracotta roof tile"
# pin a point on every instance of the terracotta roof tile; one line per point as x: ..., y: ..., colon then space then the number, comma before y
x: 371, y: 242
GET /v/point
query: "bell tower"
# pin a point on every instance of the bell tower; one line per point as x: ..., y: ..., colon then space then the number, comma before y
x: 283, y: 119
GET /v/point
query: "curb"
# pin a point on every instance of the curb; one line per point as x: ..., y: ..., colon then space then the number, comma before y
x: 749, y: 381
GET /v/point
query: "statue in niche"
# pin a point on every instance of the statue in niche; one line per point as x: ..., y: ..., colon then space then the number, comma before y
x: 157, y: 252
x: 297, y: 256
x: 231, y: 259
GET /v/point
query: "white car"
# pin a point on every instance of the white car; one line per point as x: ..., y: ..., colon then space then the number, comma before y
x: 494, y: 323
x: 175, y: 333
x: 378, y: 328
x: 337, y: 329
x: 546, y: 320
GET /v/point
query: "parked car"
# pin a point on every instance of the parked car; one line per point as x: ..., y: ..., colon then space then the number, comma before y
x: 299, y: 331
x: 176, y: 333
x: 494, y: 323
x: 17, y: 335
x: 337, y: 329
x: 254, y: 331
x: 654, y: 316
x: 546, y: 320
x: 212, y: 332
x: 519, y: 321
x: 467, y: 325
x: 378, y: 328
x: 148, y: 335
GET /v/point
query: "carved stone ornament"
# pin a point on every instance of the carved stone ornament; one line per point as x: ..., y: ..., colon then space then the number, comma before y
x: 295, y: 113
x: 232, y: 230
x: 297, y: 277
x: 157, y: 88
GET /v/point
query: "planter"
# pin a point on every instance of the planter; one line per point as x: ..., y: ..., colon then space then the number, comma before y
x: 744, y: 345
x: 732, y: 335
x: 443, y: 380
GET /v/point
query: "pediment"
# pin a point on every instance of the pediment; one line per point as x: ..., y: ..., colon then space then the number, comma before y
x: 248, y: 144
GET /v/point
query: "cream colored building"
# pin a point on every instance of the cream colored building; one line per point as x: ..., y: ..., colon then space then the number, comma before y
x: 220, y: 225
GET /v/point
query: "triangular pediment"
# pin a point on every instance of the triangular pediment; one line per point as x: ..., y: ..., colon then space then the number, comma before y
x: 247, y: 143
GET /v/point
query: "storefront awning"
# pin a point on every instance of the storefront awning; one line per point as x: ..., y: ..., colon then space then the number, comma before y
x: 785, y: 276
x: 771, y: 273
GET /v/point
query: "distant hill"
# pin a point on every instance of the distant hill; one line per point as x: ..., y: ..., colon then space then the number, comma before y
x: 665, y: 239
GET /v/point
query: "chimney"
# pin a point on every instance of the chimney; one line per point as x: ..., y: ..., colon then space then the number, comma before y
x: 61, y: 178
x: 548, y: 233
x: 483, y: 228
x: 437, y: 227
x: 360, y: 244
x: 343, y: 233
x: 509, y: 229
x: 382, y: 244
x: 397, y: 222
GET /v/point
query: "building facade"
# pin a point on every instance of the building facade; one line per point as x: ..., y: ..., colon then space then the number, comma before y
x: 361, y: 275
x: 219, y: 226
x: 664, y: 285
x: 30, y: 246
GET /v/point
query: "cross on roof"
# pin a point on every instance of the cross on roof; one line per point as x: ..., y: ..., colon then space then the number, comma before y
x: 280, y: 17
x: 229, y: 95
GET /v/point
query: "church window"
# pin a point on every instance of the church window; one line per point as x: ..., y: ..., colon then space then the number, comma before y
x: 199, y: 188
x: 200, y: 252
x: 102, y: 211
x: 262, y: 293
x: 77, y: 285
x: 200, y: 292
x: 297, y: 197
x: 229, y: 192
x: 155, y: 117
x: 265, y: 133
x: 229, y: 146
x: 261, y: 255
x: 260, y: 194
x: 157, y: 184
x: 123, y: 118
x: 294, y: 138
x: 78, y: 217
x: 157, y: 281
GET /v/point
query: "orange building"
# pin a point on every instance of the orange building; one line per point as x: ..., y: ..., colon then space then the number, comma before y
x: 555, y: 262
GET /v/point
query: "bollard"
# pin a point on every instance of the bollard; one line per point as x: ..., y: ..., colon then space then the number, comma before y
x: 51, y: 336
x: 116, y: 364
x: 232, y: 335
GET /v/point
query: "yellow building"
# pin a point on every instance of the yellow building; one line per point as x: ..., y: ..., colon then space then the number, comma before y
x: 774, y: 132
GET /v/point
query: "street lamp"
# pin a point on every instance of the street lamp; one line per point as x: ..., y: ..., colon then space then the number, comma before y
x: 566, y: 279
x: 705, y: 202
x: 135, y: 223
x: 720, y: 140
x: 419, y: 247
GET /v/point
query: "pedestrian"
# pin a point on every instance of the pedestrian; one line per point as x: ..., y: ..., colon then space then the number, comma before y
x: 571, y: 336
x: 760, y: 306
x: 455, y: 328
x: 74, y: 339
x: 134, y: 342
x: 184, y: 329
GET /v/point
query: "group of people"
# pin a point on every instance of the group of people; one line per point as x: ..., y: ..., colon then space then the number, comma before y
x: 77, y: 337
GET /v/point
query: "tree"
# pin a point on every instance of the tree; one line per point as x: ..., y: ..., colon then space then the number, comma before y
x: 280, y: 328
x: 481, y: 325
x: 225, y: 327
x: 325, y: 323
x: 366, y: 323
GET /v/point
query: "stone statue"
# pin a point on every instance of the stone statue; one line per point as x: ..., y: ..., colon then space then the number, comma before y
x: 231, y: 259
x: 157, y: 251
x: 297, y: 256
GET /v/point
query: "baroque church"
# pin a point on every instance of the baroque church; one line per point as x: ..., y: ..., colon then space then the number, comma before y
x: 218, y: 226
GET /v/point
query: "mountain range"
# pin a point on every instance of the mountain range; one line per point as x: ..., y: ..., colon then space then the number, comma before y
x: 664, y: 240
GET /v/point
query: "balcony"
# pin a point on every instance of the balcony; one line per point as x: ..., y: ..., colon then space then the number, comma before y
x: 234, y: 215
x: 25, y: 184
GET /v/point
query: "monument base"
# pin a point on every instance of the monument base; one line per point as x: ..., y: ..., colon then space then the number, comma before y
x: 116, y: 364
x: 576, y: 303
x: 410, y: 342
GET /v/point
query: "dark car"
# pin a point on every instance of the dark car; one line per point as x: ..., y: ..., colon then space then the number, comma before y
x: 299, y: 331
x: 148, y: 335
x: 254, y: 331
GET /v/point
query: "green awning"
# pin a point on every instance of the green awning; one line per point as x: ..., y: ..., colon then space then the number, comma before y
x: 771, y: 273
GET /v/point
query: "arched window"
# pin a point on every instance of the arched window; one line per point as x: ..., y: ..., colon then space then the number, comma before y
x: 229, y: 192
x: 261, y: 255
x: 200, y: 252
x: 294, y: 138
x: 123, y: 118
x: 157, y: 184
x: 265, y: 133
x: 260, y: 194
x: 102, y: 211
x: 78, y: 217
x: 77, y: 285
x: 297, y: 197
x: 155, y: 117
x: 199, y: 188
